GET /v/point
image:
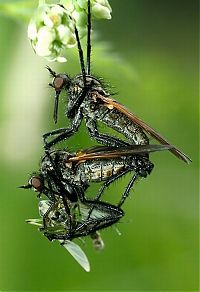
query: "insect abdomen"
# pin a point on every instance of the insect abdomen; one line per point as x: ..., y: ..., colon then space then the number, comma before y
x: 119, y: 122
x: 99, y: 170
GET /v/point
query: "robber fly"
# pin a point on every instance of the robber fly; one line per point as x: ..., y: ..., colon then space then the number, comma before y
x: 66, y: 176
x: 100, y: 164
x: 89, y: 99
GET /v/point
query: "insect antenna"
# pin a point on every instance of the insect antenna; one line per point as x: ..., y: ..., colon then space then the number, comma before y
x: 89, y: 27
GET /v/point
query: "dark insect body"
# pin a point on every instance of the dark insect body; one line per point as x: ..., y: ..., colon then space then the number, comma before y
x: 89, y: 100
x: 100, y: 164
x: 64, y: 177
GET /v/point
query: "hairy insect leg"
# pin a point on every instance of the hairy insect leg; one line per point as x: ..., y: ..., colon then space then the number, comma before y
x: 108, y: 182
x: 88, y: 39
x: 103, y: 138
x: 104, y: 186
x: 113, y: 215
x: 64, y: 132
x: 127, y: 190
x: 81, y: 57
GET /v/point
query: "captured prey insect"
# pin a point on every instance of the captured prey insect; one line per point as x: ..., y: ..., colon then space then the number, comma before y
x: 84, y: 217
x: 89, y: 100
x: 58, y: 220
x: 55, y: 225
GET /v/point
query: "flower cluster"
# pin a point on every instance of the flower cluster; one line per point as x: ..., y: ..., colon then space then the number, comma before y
x: 52, y: 27
x: 100, y: 8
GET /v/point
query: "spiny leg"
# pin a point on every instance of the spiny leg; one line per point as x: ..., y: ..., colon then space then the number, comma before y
x: 108, y: 182
x: 127, y: 190
x: 88, y: 39
x: 103, y: 138
x: 64, y: 132
x: 105, y: 185
x: 45, y: 217
x: 99, y: 223
x: 81, y: 57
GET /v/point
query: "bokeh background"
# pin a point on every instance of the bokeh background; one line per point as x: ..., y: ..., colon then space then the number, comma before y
x: 148, y: 52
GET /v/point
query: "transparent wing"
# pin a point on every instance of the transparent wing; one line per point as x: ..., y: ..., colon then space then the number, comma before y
x: 77, y: 253
x: 111, y: 152
x: 153, y: 133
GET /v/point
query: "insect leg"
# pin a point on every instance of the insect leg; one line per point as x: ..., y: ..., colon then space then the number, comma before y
x: 105, y: 185
x: 92, y: 225
x: 103, y: 138
x: 64, y: 132
x: 45, y: 217
x: 88, y: 39
x: 80, y: 54
x: 80, y: 51
x: 108, y: 182
x: 127, y: 190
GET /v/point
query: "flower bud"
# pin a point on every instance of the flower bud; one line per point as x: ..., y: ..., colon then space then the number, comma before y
x: 50, y: 32
x: 101, y: 9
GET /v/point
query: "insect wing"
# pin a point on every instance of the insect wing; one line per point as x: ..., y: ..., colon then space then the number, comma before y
x: 77, y: 253
x: 113, y: 103
x: 111, y: 152
x: 36, y: 222
x: 94, y: 149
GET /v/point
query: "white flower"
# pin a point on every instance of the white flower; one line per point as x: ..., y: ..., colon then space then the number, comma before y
x: 32, y: 31
x: 52, y: 28
x: 101, y: 9
x: 45, y: 38
x: 66, y: 37
x: 50, y: 31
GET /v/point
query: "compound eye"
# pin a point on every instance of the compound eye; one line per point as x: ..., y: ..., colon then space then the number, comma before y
x: 36, y: 183
x: 58, y: 83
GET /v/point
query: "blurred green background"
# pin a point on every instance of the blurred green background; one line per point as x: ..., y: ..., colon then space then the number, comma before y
x: 149, y: 53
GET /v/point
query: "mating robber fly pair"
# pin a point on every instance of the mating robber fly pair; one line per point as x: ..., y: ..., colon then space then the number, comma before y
x: 64, y: 177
